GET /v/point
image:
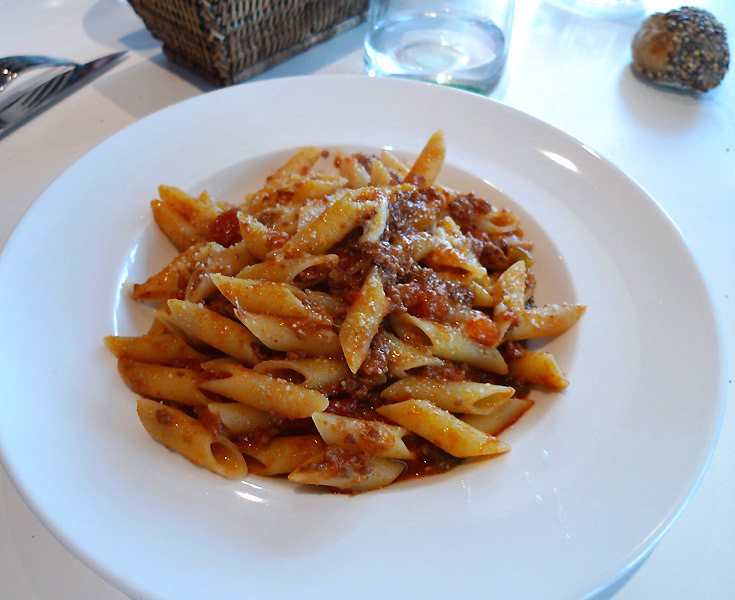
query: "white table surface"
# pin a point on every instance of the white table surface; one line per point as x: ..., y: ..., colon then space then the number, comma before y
x: 571, y: 71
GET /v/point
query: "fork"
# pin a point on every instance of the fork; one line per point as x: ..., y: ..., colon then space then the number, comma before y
x: 31, y: 83
x: 12, y: 66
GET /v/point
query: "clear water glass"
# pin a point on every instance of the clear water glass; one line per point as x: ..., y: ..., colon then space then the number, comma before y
x: 463, y: 43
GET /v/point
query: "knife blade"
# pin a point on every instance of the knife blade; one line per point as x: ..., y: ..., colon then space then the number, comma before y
x: 33, y: 89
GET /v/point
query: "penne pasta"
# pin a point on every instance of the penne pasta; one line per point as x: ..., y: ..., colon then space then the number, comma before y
x: 175, y: 227
x: 510, y: 289
x: 292, y: 335
x: 402, y: 357
x: 337, y: 220
x: 374, y: 437
x: 314, y: 373
x: 362, y: 320
x: 426, y: 168
x: 159, y: 348
x: 187, y: 436
x: 215, y: 330
x: 442, y: 428
x: 350, y: 323
x: 166, y: 383
x: 283, y: 454
x: 307, y: 268
x: 259, y: 239
x: 355, y: 174
x: 456, y: 396
x: 226, y: 261
x: 537, y: 367
x: 346, y: 470
x: 545, y: 321
x: 509, y: 411
x: 238, y: 418
x: 449, y: 342
x: 379, y: 174
x: 263, y: 392
x: 268, y: 298
x: 299, y: 163
x: 173, y: 278
x: 199, y: 212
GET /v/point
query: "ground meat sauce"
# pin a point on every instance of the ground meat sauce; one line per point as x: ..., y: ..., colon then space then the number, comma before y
x: 495, y: 252
x: 426, y: 295
x: 412, y: 211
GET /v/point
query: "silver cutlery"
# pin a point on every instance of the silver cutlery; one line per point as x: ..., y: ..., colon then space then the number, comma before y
x: 29, y: 84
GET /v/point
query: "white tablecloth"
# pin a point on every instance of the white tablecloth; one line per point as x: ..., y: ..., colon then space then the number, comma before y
x: 570, y: 71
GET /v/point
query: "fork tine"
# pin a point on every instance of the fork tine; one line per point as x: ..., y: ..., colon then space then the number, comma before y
x: 46, y: 90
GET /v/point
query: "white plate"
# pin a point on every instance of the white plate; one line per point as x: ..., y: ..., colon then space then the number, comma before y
x: 596, y: 474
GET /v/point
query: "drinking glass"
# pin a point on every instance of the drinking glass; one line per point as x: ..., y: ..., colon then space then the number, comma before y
x: 463, y: 43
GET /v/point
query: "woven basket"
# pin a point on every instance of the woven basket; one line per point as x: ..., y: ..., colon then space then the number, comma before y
x: 229, y: 41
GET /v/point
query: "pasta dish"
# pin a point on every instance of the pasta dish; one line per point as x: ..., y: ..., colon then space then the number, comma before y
x: 351, y: 323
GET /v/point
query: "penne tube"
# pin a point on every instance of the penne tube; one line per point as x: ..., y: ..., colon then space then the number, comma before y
x: 215, y: 330
x: 299, y: 163
x: 226, y: 261
x: 449, y: 342
x: 307, y: 188
x: 403, y: 357
x: 311, y: 209
x: 187, y: 436
x: 501, y: 418
x: 308, y: 268
x: 355, y: 174
x: 545, y: 321
x: 362, y: 320
x: 452, y: 251
x: 199, y: 211
x: 394, y: 164
x: 283, y: 454
x: 314, y: 373
x: 355, y: 472
x: 379, y: 174
x: 442, y: 429
x: 374, y: 228
x: 497, y: 221
x: 171, y: 280
x: 429, y: 162
x: 159, y: 381
x: 537, y: 367
x: 268, y: 298
x: 180, y: 232
x: 287, y: 334
x: 332, y: 305
x: 160, y: 348
x: 373, y: 437
x: 263, y: 392
x: 510, y: 289
x: 456, y: 396
x: 239, y: 418
x: 259, y: 239
x: 334, y: 223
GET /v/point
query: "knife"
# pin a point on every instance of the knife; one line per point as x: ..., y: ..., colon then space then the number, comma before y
x: 30, y: 84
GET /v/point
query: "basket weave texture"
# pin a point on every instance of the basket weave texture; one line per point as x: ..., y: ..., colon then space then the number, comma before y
x: 229, y: 41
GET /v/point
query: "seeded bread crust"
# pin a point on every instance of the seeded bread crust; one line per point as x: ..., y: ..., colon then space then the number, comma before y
x: 684, y: 48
